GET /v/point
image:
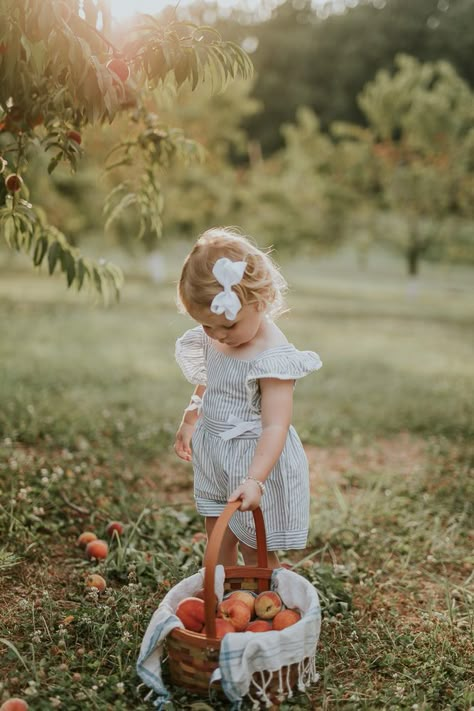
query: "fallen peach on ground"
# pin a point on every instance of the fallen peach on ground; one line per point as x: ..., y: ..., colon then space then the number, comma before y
x: 114, y: 526
x: 97, y: 549
x: 96, y: 581
x: 85, y: 538
x: 14, y: 704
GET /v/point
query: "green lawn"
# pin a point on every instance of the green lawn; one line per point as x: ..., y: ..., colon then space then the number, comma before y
x: 392, y: 361
x: 90, y: 399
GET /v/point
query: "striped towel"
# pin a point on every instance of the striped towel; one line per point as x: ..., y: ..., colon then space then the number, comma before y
x: 245, y: 655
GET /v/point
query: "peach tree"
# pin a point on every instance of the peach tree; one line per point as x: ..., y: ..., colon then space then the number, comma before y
x: 65, y: 66
x: 411, y: 170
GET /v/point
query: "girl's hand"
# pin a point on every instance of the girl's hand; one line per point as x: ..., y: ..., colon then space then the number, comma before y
x: 182, y: 443
x: 249, y: 493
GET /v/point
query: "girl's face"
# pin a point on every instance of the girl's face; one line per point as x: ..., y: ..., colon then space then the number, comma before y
x: 232, y: 333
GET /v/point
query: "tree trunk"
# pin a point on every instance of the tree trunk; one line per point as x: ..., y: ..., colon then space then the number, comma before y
x: 414, y: 250
x: 413, y: 261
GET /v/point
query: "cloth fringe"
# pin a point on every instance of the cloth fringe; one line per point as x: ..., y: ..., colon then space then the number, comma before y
x: 307, y: 675
x: 159, y: 702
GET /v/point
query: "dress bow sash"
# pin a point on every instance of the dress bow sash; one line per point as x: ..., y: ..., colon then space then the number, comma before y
x: 240, y: 427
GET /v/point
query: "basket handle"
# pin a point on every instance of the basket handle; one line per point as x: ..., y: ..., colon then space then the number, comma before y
x: 212, y: 554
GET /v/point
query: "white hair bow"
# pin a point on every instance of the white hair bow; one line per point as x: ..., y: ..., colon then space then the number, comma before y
x: 228, y: 274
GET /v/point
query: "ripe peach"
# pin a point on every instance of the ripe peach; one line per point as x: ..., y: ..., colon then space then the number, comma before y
x: 236, y: 612
x: 36, y: 120
x: 13, y: 183
x: 259, y: 626
x: 268, y: 604
x: 198, y: 537
x: 222, y: 628
x: 96, y: 581
x: 14, y: 704
x: 97, y: 549
x: 285, y: 618
x: 85, y: 538
x: 118, y: 67
x: 246, y: 597
x: 191, y: 613
x: 75, y: 136
x: 114, y: 526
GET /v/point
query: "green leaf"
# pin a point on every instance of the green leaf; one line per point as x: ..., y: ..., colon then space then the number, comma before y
x: 97, y: 279
x: 181, y: 69
x: 53, y: 254
x: 40, y: 250
x: 81, y: 271
x: 54, y: 162
x: 68, y: 266
x: 11, y: 646
x: 127, y: 200
x: 116, y: 275
x: 9, y: 231
x: 193, y: 61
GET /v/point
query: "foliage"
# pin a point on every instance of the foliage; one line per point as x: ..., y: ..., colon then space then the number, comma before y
x: 405, y: 180
x: 291, y: 199
x: 421, y: 153
x: 312, y: 54
x: 208, y: 192
x: 59, y: 74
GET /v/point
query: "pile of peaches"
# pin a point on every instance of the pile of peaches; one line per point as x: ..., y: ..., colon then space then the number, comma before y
x: 239, y: 611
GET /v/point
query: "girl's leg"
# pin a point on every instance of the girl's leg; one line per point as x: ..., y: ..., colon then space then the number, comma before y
x: 228, y: 552
x: 250, y: 556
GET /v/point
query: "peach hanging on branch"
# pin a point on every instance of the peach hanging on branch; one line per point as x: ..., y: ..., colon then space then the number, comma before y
x: 63, y: 70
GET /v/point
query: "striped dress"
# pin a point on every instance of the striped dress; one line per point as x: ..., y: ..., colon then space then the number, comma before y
x: 226, y: 435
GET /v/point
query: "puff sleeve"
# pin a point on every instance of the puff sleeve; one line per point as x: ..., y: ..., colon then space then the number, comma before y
x: 190, y: 354
x: 284, y: 363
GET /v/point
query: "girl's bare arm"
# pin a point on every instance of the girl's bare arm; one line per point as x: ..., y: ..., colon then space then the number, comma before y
x: 182, y: 445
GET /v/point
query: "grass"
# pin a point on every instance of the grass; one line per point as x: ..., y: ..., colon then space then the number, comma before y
x: 90, y: 401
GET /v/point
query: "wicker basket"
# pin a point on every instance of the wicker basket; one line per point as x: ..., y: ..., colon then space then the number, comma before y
x: 192, y: 657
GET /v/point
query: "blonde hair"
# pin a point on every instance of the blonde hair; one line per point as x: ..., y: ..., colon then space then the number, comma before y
x: 262, y: 282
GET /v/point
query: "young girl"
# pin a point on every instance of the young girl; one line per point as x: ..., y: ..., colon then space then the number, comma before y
x: 239, y: 418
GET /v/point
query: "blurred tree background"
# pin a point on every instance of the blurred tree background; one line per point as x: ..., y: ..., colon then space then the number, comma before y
x: 356, y: 129
x: 363, y: 128
x: 323, y: 54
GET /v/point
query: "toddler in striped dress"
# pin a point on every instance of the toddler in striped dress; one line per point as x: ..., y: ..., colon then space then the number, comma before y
x: 237, y: 429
